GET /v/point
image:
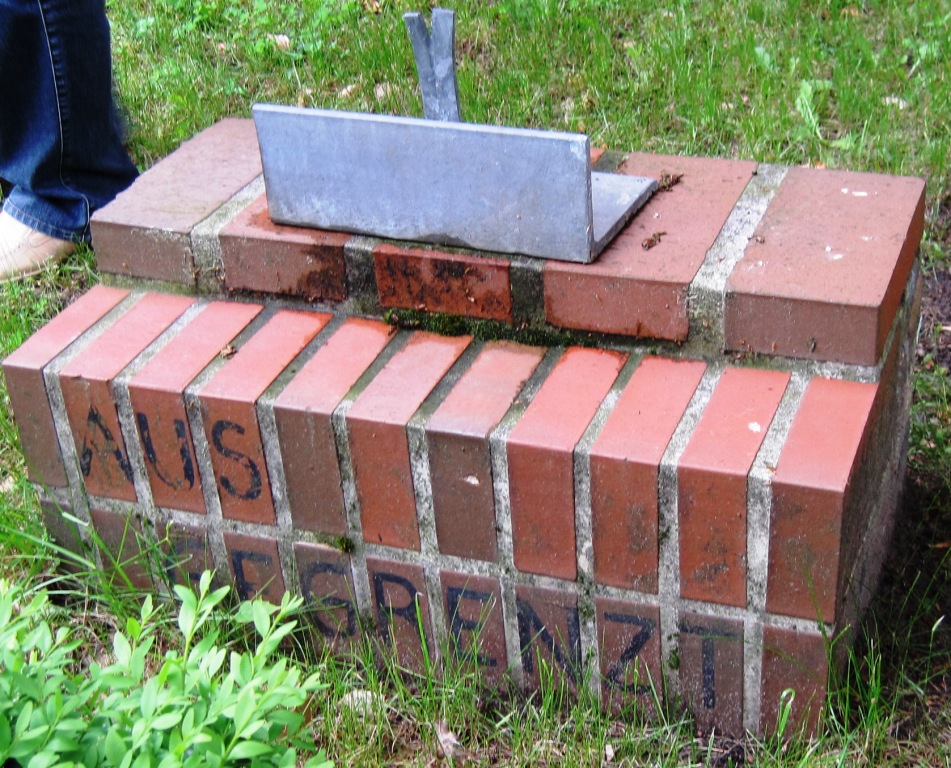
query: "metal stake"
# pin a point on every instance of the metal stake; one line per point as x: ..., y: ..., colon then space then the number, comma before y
x: 435, y: 63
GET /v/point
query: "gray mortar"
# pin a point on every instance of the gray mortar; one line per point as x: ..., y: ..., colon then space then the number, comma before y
x: 707, y: 289
x: 213, y: 519
x: 583, y: 527
x: 503, y: 506
x: 267, y: 424
x: 146, y: 285
x: 206, y: 248
x: 358, y: 563
x: 364, y: 299
x: 668, y: 584
x: 759, y: 494
x: 527, y: 281
x: 120, y: 393
x: 423, y: 491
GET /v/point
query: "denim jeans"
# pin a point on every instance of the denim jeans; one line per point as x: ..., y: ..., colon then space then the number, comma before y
x: 60, y: 136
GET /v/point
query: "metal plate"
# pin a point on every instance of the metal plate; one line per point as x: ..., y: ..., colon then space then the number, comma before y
x: 485, y: 187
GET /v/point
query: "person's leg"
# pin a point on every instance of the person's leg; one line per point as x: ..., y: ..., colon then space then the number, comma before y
x: 60, y: 137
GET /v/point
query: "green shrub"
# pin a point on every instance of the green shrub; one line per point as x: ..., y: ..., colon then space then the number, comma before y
x: 202, y: 706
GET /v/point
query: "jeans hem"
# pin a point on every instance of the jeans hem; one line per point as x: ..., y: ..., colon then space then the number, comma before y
x: 41, y: 226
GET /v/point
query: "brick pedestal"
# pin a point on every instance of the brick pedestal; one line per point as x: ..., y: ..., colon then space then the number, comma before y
x: 690, y: 493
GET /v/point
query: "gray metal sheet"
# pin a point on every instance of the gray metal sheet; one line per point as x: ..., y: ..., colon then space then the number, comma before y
x: 485, y: 187
x: 615, y: 198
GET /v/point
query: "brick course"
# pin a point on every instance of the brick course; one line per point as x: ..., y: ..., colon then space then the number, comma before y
x: 507, y: 577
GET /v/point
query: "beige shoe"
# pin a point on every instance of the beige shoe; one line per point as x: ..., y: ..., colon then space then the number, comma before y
x: 24, y: 251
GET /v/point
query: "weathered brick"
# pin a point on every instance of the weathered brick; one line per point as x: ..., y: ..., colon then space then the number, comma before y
x: 230, y: 419
x: 459, y: 455
x: 125, y: 554
x: 823, y: 276
x: 378, y: 442
x: 156, y: 393
x: 810, y: 491
x: 710, y: 650
x: 255, y: 567
x: 326, y: 583
x: 259, y: 255
x: 145, y: 231
x: 398, y: 591
x: 187, y: 553
x: 87, y: 391
x: 625, y: 465
x: 712, y: 484
x: 797, y: 661
x: 434, y: 281
x: 60, y: 525
x: 642, y: 292
x: 541, y: 460
x: 305, y: 433
x: 629, y: 643
x: 549, y: 632
x: 473, y: 606
x: 23, y: 371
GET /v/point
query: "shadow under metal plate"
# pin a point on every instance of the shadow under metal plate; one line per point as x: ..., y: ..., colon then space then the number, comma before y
x: 509, y: 190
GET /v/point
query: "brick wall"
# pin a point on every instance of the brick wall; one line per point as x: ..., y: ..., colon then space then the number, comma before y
x: 696, y: 503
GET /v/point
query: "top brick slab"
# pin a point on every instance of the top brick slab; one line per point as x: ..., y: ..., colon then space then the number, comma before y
x: 641, y: 291
x: 820, y: 261
x: 145, y: 231
x: 823, y: 276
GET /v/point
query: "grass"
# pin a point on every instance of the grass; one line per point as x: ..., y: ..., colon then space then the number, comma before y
x: 833, y: 83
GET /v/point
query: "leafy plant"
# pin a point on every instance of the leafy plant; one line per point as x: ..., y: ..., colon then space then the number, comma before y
x: 195, y: 711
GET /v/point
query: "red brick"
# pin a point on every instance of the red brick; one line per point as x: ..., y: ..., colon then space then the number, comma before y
x: 23, y: 370
x: 145, y: 231
x: 797, y: 661
x: 87, y: 391
x: 823, y: 276
x: 259, y: 255
x: 59, y: 523
x: 625, y: 462
x: 629, y: 642
x: 810, y: 490
x: 549, y: 632
x: 378, y: 441
x: 642, y: 292
x: 476, y: 632
x: 712, y: 484
x: 712, y: 671
x: 157, y: 399
x: 459, y: 455
x: 326, y: 584
x: 303, y: 412
x: 187, y: 553
x: 255, y: 567
x: 541, y: 460
x: 398, y: 591
x: 434, y: 281
x: 231, y: 421
x: 125, y: 555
